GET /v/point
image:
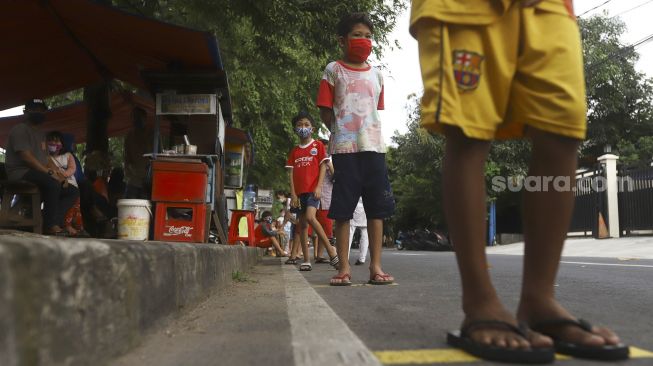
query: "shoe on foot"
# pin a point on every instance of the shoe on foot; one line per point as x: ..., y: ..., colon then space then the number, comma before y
x: 359, y: 262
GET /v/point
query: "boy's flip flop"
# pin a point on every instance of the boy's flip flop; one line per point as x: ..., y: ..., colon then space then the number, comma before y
x: 305, y: 267
x: 461, y: 339
x: 613, y: 352
x: 291, y: 261
x: 381, y: 279
x: 344, y: 280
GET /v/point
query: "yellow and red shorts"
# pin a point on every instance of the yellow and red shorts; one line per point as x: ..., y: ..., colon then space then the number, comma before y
x: 492, y: 80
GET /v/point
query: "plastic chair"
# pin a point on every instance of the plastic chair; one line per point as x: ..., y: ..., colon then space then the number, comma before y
x: 234, y: 234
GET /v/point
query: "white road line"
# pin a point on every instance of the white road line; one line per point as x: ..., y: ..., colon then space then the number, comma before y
x: 609, y: 264
x: 319, y: 336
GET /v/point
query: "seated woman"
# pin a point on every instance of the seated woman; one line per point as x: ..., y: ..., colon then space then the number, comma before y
x: 266, y: 236
x: 63, y: 161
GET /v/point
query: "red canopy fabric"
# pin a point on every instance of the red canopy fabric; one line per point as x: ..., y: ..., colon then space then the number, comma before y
x: 53, y: 46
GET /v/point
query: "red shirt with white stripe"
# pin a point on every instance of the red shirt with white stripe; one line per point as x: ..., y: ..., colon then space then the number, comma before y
x: 305, y: 160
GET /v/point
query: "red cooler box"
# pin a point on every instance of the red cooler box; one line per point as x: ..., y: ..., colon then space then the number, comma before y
x: 179, y: 181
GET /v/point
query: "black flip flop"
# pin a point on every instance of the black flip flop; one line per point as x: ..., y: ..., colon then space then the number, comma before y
x: 461, y: 339
x: 291, y: 261
x: 603, y: 353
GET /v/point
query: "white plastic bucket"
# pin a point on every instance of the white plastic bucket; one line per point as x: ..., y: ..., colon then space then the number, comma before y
x: 134, y: 219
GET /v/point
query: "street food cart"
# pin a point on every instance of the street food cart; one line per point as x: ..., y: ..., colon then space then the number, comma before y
x: 187, y: 177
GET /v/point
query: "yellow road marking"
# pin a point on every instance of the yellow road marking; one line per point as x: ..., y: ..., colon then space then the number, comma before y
x: 357, y: 285
x: 640, y: 353
x: 423, y: 356
x: 450, y: 355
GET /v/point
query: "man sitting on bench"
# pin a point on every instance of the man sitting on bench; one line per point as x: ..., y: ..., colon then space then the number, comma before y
x: 27, y: 159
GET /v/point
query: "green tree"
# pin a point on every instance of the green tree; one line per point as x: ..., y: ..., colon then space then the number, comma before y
x: 274, y: 53
x: 414, y: 167
x: 620, y: 99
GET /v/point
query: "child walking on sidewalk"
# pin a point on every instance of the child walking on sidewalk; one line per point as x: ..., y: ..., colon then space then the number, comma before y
x: 306, y: 175
x: 350, y: 93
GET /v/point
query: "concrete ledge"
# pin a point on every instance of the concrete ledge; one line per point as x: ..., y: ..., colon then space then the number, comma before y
x: 85, y: 301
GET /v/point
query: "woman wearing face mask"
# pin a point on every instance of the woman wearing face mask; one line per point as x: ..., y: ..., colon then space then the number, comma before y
x: 65, y: 165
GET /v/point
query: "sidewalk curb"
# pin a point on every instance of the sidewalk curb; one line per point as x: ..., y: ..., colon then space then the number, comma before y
x: 83, y: 302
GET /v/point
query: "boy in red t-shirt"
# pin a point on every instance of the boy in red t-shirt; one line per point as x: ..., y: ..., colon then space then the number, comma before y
x: 306, y: 176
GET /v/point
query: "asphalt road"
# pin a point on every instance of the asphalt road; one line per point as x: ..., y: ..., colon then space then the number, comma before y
x: 279, y: 316
x: 415, y: 314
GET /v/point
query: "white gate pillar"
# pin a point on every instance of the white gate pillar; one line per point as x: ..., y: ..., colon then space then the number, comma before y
x: 609, y: 161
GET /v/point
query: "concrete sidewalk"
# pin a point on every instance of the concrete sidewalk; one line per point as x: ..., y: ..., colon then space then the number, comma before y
x: 629, y: 247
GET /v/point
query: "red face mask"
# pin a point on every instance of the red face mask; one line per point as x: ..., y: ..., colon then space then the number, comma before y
x: 359, y: 49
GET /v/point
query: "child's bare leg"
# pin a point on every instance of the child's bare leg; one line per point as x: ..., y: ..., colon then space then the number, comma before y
x: 320, y: 245
x: 342, y: 245
x: 317, y: 228
x: 303, y: 225
x: 277, y: 246
x: 464, y: 204
x: 375, y: 234
x: 296, y: 243
x: 552, y: 156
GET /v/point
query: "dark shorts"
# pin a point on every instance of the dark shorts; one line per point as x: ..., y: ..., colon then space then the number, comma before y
x: 361, y: 174
x: 305, y: 200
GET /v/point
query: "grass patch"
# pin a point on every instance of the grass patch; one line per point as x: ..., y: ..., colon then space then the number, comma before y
x: 241, y: 277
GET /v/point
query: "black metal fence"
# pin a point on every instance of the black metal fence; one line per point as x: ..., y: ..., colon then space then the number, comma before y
x: 635, y: 200
x: 589, y: 202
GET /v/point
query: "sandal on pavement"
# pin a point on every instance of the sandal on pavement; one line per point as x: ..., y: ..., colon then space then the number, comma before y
x: 334, y: 261
x: 291, y: 261
x: 341, y: 280
x: 321, y: 260
x: 306, y: 266
x: 59, y: 233
x: 359, y: 262
x: 461, y: 339
x: 607, y: 352
x: 381, y: 279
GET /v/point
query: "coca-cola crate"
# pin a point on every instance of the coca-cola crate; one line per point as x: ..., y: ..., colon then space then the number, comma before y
x: 183, y: 222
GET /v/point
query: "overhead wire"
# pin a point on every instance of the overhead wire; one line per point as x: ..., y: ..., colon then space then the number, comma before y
x: 594, y: 8
x: 631, y: 9
x: 620, y: 51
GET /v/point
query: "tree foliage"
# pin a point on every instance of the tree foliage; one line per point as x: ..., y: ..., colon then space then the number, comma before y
x: 620, y: 99
x: 274, y: 53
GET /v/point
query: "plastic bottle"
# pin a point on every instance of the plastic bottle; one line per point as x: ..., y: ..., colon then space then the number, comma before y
x: 249, y: 197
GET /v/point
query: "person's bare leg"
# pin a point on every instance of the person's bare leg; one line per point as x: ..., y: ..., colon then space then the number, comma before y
x: 297, y: 242
x: 342, y: 246
x: 303, y: 227
x: 320, y: 247
x: 464, y: 205
x: 547, y: 215
x: 375, y: 235
x: 277, y: 246
x: 317, y: 228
